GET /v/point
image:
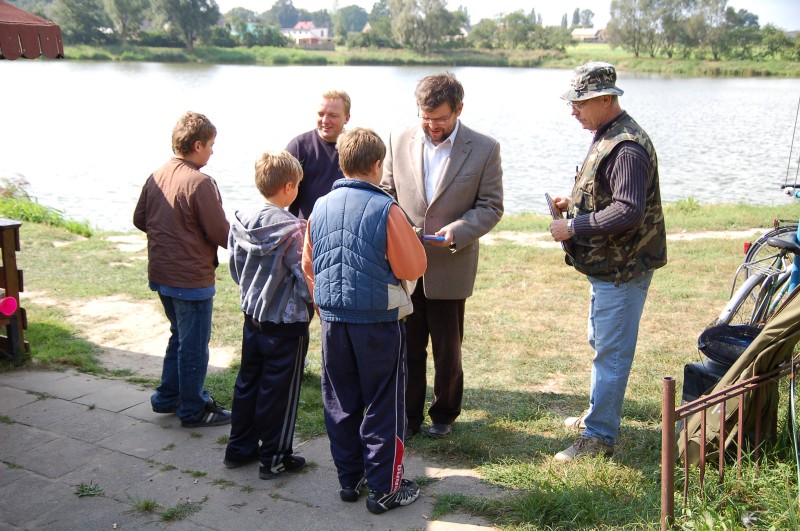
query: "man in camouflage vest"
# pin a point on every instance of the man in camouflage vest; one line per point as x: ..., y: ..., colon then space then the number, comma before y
x: 615, y: 227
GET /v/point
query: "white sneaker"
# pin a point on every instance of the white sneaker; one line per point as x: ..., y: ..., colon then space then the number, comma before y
x: 576, y: 423
x: 584, y: 446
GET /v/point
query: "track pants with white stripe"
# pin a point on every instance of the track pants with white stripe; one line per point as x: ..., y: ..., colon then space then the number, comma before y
x: 266, y: 395
x: 363, y: 390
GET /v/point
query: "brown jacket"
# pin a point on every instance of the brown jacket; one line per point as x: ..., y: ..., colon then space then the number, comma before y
x: 180, y: 209
x: 469, y: 198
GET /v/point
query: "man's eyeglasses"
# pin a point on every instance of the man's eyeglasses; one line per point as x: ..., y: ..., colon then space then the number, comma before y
x: 578, y: 105
x: 436, y: 121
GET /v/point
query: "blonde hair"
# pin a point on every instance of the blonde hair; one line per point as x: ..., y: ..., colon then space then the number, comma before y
x: 359, y: 149
x: 339, y: 95
x: 190, y: 128
x: 274, y: 169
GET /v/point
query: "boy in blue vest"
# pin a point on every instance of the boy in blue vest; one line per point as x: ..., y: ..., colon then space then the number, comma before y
x: 359, y: 253
x: 266, y: 246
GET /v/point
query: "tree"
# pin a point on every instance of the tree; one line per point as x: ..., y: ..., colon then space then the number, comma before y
x: 673, y: 15
x: 192, y: 18
x: 435, y: 23
x: 348, y: 19
x: 127, y: 16
x: 713, y: 13
x: 564, y: 21
x: 404, y: 21
x: 742, y: 32
x: 484, y: 34
x: 283, y: 13
x: 627, y: 26
x: 82, y: 21
x: 586, y: 18
x: 576, y: 17
x: 774, y: 41
x: 320, y: 18
x: 516, y: 30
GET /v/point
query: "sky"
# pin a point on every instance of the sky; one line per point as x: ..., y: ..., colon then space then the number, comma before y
x: 782, y: 13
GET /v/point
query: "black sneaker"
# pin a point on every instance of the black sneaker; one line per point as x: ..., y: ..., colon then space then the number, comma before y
x: 235, y: 462
x: 289, y: 464
x: 406, y: 494
x: 352, y: 494
x: 165, y: 410
x: 213, y: 415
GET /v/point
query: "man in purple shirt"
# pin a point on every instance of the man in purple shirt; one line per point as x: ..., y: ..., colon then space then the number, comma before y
x: 616, y: 229
x: 316, y: 151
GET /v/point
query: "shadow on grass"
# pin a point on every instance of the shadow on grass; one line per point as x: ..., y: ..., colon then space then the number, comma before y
x: 56, y: 346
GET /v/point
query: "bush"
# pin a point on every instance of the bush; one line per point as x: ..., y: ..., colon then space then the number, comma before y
x: 160, y: 38
x: 16, y: 203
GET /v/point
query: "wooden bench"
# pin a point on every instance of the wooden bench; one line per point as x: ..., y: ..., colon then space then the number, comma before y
x: 13, y: 344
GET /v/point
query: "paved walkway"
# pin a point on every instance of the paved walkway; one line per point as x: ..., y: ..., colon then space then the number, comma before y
x: 60, y: 430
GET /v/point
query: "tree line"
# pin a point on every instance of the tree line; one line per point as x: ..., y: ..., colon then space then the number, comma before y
x: 656, y: 28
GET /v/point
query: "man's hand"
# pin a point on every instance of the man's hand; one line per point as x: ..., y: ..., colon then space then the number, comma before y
x: 558, y: 229
x: 561, y: 203
x: 449, y: 237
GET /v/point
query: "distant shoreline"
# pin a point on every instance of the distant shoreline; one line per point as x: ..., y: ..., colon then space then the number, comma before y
x: 573, y: 56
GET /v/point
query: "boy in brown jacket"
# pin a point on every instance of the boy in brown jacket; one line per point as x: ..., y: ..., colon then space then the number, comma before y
x: 180, y: 210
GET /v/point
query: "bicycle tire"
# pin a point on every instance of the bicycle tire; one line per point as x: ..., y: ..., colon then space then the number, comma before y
x: 759, y: 249
x: 742, y: 303
x: 754, y: 302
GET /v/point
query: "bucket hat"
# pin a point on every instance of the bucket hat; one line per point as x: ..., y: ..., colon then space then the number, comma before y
x: 591, y: 80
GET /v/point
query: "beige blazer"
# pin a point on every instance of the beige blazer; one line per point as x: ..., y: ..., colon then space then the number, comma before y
x: 469, y: 199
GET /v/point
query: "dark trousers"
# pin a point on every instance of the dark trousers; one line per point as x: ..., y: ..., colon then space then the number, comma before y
x: 266, y: 395
x: 363, y: 390
x: 443, y: 321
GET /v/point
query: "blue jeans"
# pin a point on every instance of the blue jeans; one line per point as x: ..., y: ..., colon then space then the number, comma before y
x: 183, y: 375
x: 614, y: 315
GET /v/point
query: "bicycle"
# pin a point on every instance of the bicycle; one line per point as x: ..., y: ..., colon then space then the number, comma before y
x: 771, y: 268
x: 761, y: 284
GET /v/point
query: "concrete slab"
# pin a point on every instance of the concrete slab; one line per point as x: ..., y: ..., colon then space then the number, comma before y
x: 11, y: 398
x: 46, y: 411
x: 122, y: 398
x: 10, y: 473
x: 71, y: 386
x: 142, y: 439
x: 58, y: 457
x: 27, y: 497
x: 114, y: 472
x: 172, y: 487
x: 32, y: 380
x: 93, y: 425
x: 18, y: 438
x: 134, y: 454
x: 89, y: 513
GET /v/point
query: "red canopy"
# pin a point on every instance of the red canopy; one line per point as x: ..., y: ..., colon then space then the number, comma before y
x: 26, y: 35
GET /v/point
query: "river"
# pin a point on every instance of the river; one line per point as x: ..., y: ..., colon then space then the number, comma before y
x: 86, y: 135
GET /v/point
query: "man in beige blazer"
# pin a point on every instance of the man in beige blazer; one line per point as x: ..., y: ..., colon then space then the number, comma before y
x: 449, y: 181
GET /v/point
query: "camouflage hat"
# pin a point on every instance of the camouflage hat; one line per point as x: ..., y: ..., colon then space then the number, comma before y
x: 592, y: 80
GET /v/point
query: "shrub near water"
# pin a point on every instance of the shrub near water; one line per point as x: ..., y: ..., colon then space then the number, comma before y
x: 16, y: 203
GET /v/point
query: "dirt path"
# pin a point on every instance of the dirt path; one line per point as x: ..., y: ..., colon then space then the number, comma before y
x: 132, y: 335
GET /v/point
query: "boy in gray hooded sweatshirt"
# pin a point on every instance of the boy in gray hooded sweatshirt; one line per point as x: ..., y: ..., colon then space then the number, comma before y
x: 266, y: 248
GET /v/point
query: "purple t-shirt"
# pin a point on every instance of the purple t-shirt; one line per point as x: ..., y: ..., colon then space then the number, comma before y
x: 320, y: 162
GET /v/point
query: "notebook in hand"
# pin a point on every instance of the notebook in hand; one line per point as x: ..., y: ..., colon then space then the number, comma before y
x: 556, y: 213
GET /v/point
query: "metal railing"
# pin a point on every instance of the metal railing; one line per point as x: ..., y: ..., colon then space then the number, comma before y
x: 670, y: 416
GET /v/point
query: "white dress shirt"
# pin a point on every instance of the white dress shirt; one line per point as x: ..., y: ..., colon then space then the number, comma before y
x: 435, y: 160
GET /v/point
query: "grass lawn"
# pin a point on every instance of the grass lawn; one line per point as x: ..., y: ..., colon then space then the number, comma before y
x: 526, y: 364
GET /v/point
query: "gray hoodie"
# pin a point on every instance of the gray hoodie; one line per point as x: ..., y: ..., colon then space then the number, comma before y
x: 266, y: 249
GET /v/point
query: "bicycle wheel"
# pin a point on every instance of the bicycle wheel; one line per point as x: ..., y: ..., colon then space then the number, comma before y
x: 745, y: 299
x: 759, y: 250
x: 756, y: 298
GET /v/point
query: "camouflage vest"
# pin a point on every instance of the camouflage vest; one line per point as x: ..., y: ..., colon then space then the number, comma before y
x: 618, y: 257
